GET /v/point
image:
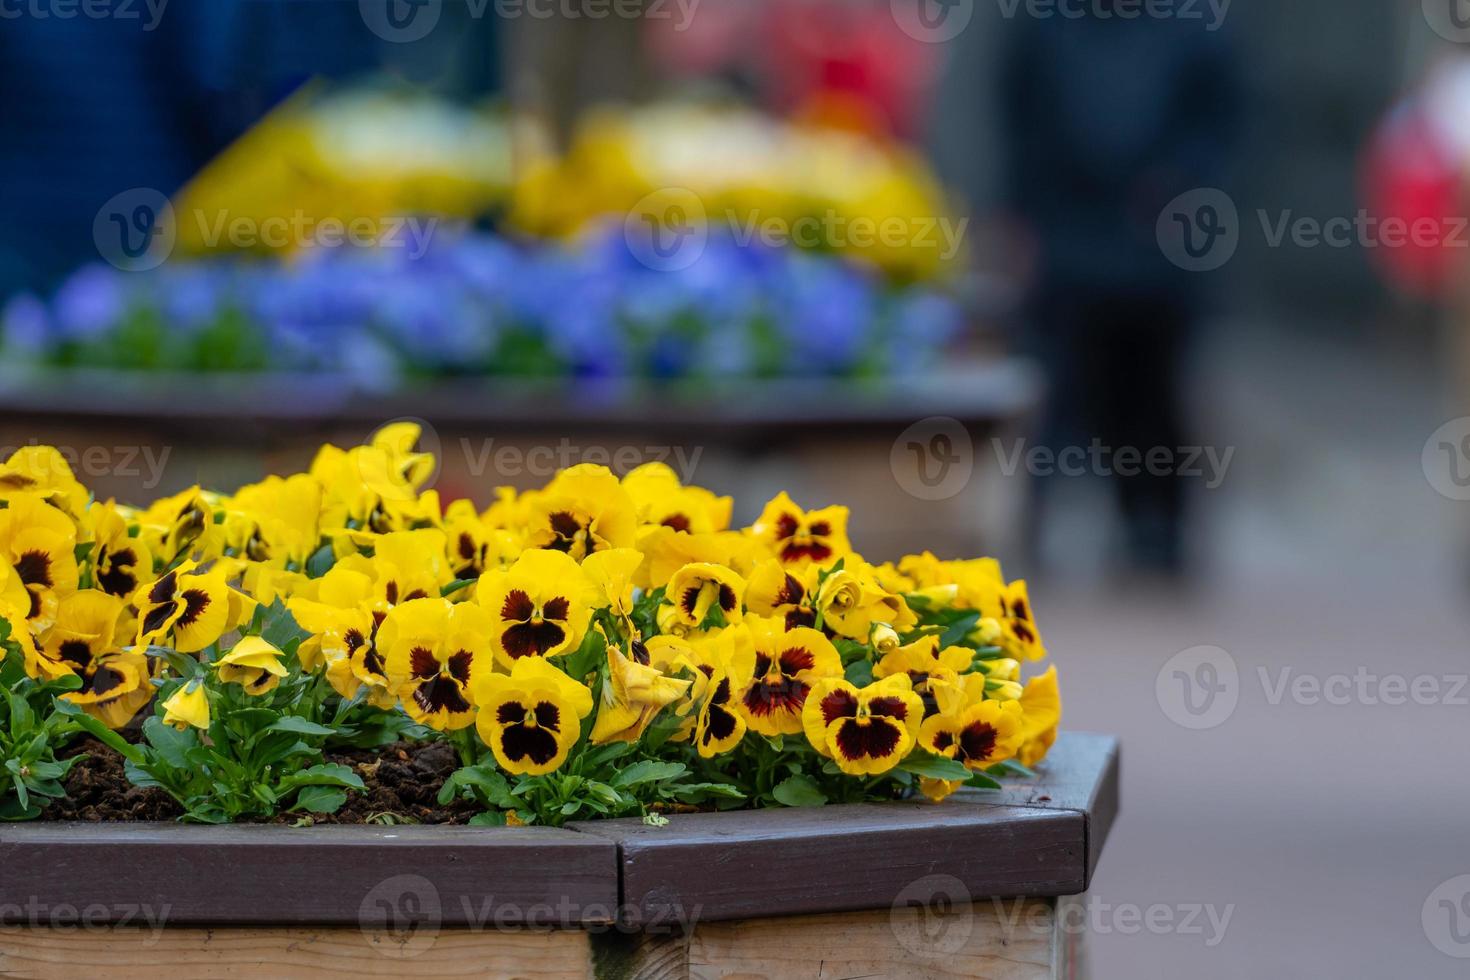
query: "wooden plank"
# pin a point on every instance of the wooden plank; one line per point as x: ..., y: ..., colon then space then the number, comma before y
x: 330, y: 875
x: 973, y: 940
x: 1081, y: 774
x: 291, y: 954
x: 976, y: 392
x: 711, y: 866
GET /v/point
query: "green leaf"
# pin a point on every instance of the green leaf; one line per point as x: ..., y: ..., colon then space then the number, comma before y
x: 798, y: 791
x: 326, y: 774
x: 980, y: 780
x: 298, y: 726
x: 320, y: 799
x: 859, y: 673
x: 171, y: 745
x: 321, y: 562
x: 1012, y: 768
x: 456, y: 585
x: 492, y: 818
x: 700, y: 792
x: 648, y: 771
x: 589, y: 656
x: 932, y: 766
x: 484, y: 783
x: 958, y: 630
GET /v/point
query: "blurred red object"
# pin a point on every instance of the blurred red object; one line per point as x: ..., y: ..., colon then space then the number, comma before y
x: 1413, y: 176
x: 845, y: 63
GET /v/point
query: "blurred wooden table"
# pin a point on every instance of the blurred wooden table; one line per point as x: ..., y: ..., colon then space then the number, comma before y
x: 136, y: 436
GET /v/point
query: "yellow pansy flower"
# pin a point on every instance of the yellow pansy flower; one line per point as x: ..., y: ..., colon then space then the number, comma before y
x: 1041, y: 705
x: 43, y: 472
x: 189, y: 705
x: 191, y: 609
x: 787, y: 664
x: 538, y: 607
x: 980, y: 735
x: 697, y: 589
x: 663, y: 501
x: 432, y: 648
x: 254, y: 663
x: 797, y: 536
x: 632, y: 697
x: 38, y: 543
x: 532, y: 716
x: 614, y: 572
x: 583, y: 510
x: 88, y: 641
x: 865, y: 731
x: 119, y: 561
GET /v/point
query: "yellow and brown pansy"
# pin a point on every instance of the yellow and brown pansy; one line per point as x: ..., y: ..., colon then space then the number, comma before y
x: 254, y: 663
x: 788, y: 592
x: 865, y: 731
x: 796, y: 536
x: 38, y: 542
x: 87, y: 640
x: 787, y: 664
x: 432, y: 647
x: 119, y: 561
x: 583, y: 510
x: 632, y: 697
x: 980, y: 736
x: 532, y: 716
x: 189, y: 608
x: 539, y: 607
x: 697, y: 590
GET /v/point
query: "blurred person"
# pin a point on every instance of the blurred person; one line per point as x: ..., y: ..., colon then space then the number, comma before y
x: 98, y: 105
x: 1106, y: 120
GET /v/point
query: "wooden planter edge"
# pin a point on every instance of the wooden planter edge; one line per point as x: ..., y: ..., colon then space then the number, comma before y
x: 1035, y: 837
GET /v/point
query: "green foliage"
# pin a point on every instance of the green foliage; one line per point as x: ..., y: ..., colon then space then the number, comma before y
x: 32, y: 730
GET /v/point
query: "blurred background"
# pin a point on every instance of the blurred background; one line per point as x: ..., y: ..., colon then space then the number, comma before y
x: 1162, y: 304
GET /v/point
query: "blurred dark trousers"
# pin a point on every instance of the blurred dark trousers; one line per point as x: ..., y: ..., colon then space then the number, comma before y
x: 1114, y: 361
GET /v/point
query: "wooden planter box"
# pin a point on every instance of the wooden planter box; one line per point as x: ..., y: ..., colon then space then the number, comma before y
x: 971, y: 887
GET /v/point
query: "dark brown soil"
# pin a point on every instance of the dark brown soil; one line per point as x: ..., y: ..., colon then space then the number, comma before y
x: 97, y: 789
x: 401, y: 782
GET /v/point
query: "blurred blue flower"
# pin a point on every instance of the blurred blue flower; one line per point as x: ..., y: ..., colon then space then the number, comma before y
x: 592, y: 307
